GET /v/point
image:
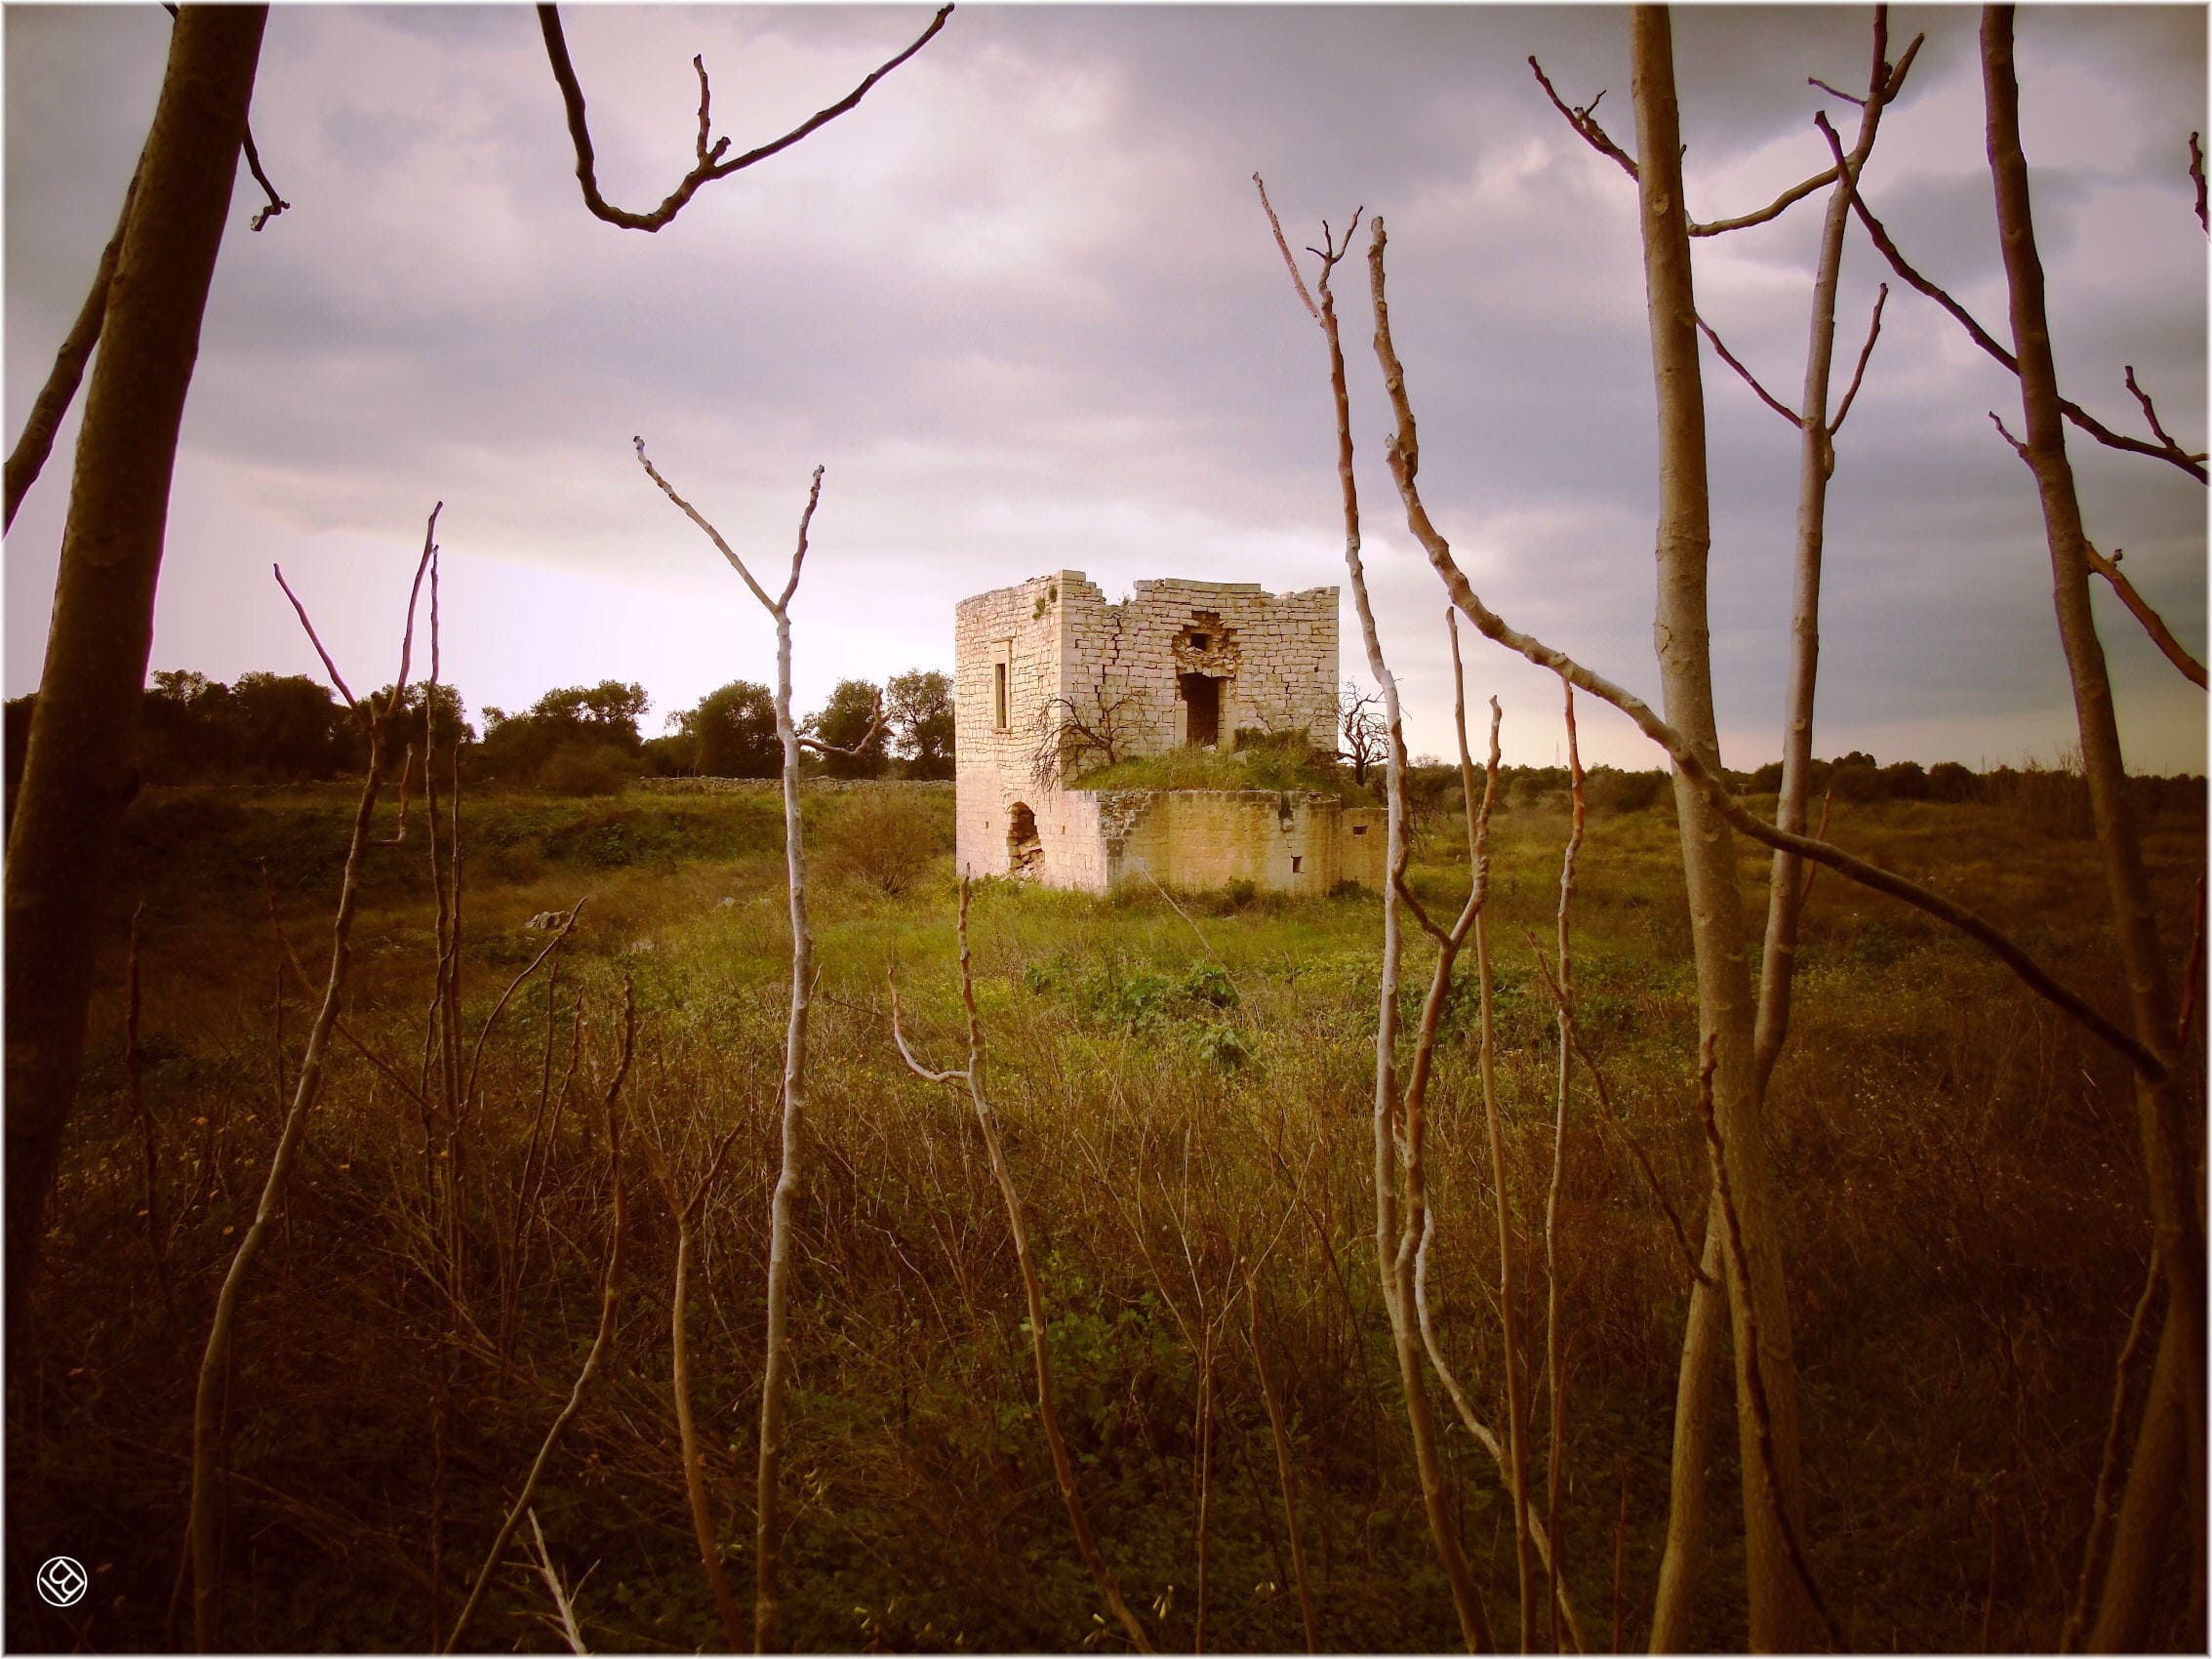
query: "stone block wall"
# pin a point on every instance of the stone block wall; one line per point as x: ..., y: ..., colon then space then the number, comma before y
x: 1275, y: 654
x: 1007, y: 666
x: 1026, y: 655
x: 1281, y: 842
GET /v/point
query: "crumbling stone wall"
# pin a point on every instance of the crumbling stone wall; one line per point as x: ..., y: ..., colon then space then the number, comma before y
x: 1274, y: 654
x: 1177, y: 662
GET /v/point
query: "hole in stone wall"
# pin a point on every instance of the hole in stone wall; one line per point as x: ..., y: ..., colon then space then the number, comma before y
x: 1024, y: 848
x: 1295, y: 864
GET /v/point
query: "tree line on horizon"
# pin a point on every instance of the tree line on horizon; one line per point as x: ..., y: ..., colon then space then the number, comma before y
x: 589, y: 740
x: 578, y: 740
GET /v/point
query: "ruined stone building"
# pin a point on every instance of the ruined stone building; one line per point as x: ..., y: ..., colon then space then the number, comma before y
x: 1050, y: 680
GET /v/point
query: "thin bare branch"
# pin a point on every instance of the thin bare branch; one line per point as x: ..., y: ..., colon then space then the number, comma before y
x: 876, y: 717
x: 1584, y: 123
x: 276, y: 204
x: 1554, y: 1381
x: 772, y: 606
x: 1482, y: 1434
x: 389, y: 1073
x: 1874, y: 333
x: 2152, y: 623
x: 28, y: 458
x: 799, y: 552
x: 710, y: 165
x: 555, y: 1588
x: 679, y: 1375
x: 1613, y: 1117
x: 407, y: 639
x: 1466, y: 1599
x: 1486, y: 1065
x: 1749, y: 379
x: 2149, y: 410
x: 1835, y: 92
x: 898, y: 1036
x: 484, y: 1032
x: 215, y: 1359
x: 1276, y: 225
x: 2197, y: 178
x: 338, y: 679
x: 1773, y: 210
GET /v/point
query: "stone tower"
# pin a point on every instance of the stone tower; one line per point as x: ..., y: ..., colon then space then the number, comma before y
x: 1179, y: 662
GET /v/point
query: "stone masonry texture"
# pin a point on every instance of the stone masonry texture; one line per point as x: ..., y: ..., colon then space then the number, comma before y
x: 1032, y: 656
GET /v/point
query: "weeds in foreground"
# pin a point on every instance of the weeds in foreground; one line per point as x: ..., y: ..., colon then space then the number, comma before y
x: 1959, y: 1171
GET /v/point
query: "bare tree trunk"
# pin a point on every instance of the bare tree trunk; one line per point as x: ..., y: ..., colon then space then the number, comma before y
x: 776, y: 1369
x: 2144, y: 1534
x: 2162, y: 1114
x: 1691, y: 1454
x: 80, y: 771
x: 1685, y: 1519
x: 1779, y: 1612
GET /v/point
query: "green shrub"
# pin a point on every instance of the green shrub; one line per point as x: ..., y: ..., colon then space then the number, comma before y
x: 587, y: 769
x: 885, y: 839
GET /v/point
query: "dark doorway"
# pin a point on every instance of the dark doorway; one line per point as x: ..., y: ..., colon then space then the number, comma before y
x: 1203, y: 699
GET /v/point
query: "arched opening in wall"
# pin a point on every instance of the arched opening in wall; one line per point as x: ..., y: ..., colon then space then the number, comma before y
x: 1024, y: 847
x: 1202, y: 710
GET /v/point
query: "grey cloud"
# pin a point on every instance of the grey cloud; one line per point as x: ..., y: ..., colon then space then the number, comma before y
x: 1024, y: 305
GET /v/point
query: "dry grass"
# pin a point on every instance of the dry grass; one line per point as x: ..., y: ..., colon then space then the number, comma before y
x: 1962, y: 1210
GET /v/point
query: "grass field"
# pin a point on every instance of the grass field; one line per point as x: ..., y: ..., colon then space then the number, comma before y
x: 1186, y: 1095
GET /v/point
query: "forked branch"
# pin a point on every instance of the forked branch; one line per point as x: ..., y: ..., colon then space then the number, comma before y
x: 1584, y: 123
x: 203, y: 1542
x: 710, y: 163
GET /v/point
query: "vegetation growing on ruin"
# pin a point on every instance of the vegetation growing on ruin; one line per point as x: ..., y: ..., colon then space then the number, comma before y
x: 1261, y: 760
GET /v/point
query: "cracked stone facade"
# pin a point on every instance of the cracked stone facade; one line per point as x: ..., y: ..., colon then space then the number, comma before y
x: 1176, y: 662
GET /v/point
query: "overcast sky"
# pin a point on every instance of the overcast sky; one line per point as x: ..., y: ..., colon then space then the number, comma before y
x: 1024, y: 305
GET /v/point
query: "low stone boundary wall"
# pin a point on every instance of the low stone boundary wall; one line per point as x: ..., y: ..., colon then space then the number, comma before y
x: 767, y: 786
